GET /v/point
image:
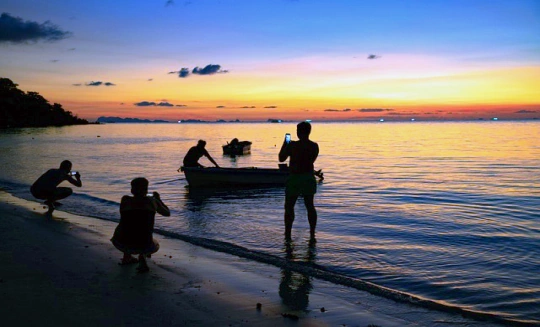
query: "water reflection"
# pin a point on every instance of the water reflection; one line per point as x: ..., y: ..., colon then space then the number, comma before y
x: 196, y: 199
x: 294, y: 287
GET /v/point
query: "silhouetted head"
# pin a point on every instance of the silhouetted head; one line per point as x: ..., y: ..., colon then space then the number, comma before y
x: 201, y: 144
x: 139, y: 186
x: 303, y: 130
x: 66, y: 166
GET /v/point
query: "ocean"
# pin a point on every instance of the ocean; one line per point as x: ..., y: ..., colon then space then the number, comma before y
x: 446, y: 212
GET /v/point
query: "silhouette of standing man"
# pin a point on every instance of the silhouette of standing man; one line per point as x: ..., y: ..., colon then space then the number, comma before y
x: 301, y: 181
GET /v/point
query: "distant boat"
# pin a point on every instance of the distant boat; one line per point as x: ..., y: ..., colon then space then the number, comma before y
x: 237, y: 177
x: 237, y: 147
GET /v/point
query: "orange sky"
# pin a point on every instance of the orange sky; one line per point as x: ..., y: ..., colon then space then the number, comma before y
x: 427, y: 60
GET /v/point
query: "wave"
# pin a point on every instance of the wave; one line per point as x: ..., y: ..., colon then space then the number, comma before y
x: 320, y: 272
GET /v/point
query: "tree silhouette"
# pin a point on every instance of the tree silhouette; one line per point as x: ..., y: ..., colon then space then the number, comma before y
x: 30, y: 109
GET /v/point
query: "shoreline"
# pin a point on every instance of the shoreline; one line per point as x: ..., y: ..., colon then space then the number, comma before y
x: 64, y: 272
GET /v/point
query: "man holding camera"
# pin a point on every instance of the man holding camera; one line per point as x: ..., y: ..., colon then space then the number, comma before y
x: 46, y: 186
x: 301, y: 181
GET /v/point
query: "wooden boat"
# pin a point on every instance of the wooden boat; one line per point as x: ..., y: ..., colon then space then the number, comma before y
x: 249, y: 177
x: 237, y: 147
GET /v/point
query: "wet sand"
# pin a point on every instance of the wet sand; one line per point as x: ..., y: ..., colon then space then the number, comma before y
x: 65, y: 272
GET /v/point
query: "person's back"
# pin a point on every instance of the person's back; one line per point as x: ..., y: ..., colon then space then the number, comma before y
x: 192, y: 157
x: 48, y: 182
x: 303, y: 154
x: 137, y: 216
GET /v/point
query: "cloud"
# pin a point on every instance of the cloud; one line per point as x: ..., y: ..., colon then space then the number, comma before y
x: 55, y: 60
x: 220, y: 107
x: 150, y: 79
x: 169, y: 3
x: 373, y: 110
x: 403, y: 113
x: 248, y: 107
x: 526, y: 112
x: 181, y: 105
x: 184, y: 72
x: 207, y: 70
x: 270, y: 107
x: 99, y: 83
x: 77, y: 84
x: 153, y: 104
x: 15, y: 30
x: 145, y: 104
x: 372, y: 56
x: 337, y: 110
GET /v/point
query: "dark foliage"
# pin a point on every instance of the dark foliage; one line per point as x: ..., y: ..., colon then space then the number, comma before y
x: 20, y: 109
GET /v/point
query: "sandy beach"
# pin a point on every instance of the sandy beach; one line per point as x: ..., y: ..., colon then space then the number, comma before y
x: 65, y: 272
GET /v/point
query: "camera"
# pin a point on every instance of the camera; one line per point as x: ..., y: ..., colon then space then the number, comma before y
x: 287, y: 138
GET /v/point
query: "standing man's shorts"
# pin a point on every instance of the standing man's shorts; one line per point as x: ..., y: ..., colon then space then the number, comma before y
x: 301, y: 184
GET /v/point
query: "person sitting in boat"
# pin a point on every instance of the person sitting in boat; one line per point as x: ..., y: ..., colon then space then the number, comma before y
x: 133, y: 235
x: 195, y: 153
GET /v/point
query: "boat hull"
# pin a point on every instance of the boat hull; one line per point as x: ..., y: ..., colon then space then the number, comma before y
x: 253, y: 177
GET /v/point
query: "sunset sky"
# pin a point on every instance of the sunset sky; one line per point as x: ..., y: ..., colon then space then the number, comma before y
x: 286, y: 59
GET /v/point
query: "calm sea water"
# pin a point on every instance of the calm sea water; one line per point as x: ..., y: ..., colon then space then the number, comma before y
x: 444, y: 211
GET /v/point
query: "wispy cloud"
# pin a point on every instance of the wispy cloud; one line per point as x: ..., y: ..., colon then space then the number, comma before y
x: 338, y: 110
x: 99, y: 83
x: 153, y: 104
x: 526, y: 112
x: 373, y: 110
x: 270, y: 107
x: 16, y: 30
x: 207, y: 70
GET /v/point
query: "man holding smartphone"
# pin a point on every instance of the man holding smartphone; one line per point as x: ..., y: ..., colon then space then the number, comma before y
x: 46, y: 186
x: 301, y: 181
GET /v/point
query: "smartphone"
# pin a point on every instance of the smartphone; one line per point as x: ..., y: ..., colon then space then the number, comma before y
x: 72, y: 173
x: 287, y: 138
x: 150, y: 194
